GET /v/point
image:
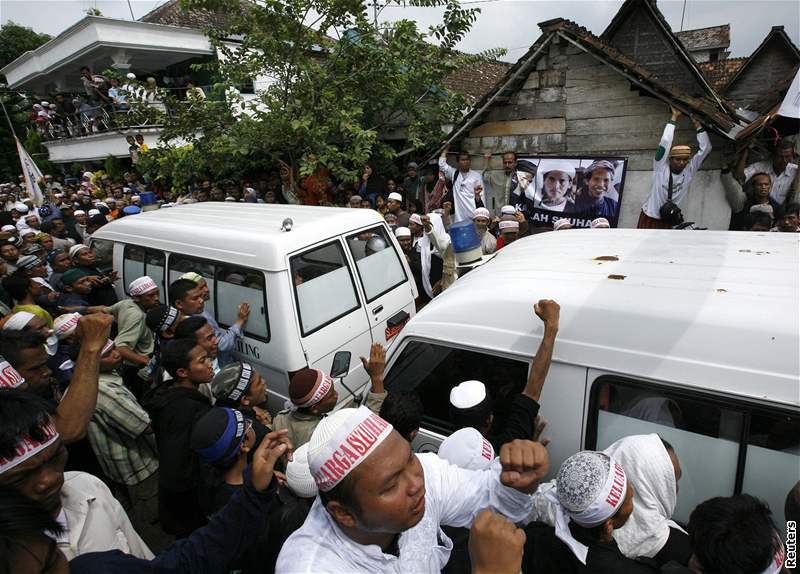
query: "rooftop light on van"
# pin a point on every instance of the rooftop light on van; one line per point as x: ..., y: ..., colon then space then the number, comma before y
x: 287, y: 224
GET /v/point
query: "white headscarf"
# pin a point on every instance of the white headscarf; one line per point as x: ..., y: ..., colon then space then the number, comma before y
x: 649, y: 468
x: 424, y: 246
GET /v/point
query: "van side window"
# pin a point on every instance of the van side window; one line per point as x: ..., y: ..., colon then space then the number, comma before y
x: 773, y: 458
x: 180, y: 264
x: 236, y: 285
x: 140, y: 261
x: 710, y: 438
x: 432, y: 370
x: 324, y: 286
x: 378, y: 263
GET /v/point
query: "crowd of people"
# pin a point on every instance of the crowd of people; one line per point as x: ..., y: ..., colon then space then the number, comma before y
x: 133, y: 440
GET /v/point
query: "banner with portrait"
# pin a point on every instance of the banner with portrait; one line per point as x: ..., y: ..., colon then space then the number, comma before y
x: 581, y: 189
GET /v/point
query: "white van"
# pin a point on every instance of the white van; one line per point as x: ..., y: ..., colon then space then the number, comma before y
x: 313, y: 284
x: 689, y: 334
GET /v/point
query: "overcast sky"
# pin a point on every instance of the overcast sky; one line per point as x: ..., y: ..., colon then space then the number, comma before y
x: 502, y: 23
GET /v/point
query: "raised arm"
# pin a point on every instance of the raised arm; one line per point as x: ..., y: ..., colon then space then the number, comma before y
x: 448, y: 170
x: 733, y: 192
x: 76, y: 408
x: 666, y: 139
x: 740, y: 167
x: 704, y: 146
x: 548, y: 311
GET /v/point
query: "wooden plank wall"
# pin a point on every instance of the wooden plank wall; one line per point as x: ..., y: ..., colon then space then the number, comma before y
x: 572, y: 104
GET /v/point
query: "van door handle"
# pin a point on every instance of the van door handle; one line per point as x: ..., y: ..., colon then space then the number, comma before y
x: 377, y: 309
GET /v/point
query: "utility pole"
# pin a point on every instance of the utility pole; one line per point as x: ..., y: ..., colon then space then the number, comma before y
x: 683, y: 13
x: 133, y: 18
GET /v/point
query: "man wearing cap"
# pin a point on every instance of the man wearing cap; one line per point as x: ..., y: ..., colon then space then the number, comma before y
x: 557, y: 181
x: 32, y: 460
x: 394, y: 205
x: 482, y: 218
x: 562, y: 224
x: 83, y: 258
x: 103, y: 248
x: 471, y: 405
x: 508, y: 226
x: 313, y: 395
x: 676, y: 168
x: 467, y: 184
x: 134, y: 339
x: 593, y: 201
x: 25, y: 291
x: 76, y: 286
x: 240, y: 386
x: 123, y: 441
x: 415, y: 184
x: 381, y: 507
x: 589, y: 499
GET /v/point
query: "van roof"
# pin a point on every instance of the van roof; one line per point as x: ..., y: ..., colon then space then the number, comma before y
x: 241, y: 233
x: 706, y: 309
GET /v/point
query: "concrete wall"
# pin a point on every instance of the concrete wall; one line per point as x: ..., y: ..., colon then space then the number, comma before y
x: 574, y: 105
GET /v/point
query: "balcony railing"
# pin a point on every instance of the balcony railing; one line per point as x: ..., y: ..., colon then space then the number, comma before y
x: 100, y: 119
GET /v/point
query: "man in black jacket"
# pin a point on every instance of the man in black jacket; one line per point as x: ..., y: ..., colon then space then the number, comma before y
x: 173, y: 411
x: 471, y: 406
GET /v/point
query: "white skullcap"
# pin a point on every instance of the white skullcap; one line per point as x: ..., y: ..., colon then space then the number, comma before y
x: 135, y: 198
x: 395, y: 196
x: 26, y: 231
x: 101, y: 203
x: 562, y: 223
x: 341, y: 442
x: 508, y: 224
x: 9, y: 377
x: 141, y: 286
x: 467, y: 394
x: 549, y: 165
x: 298, y: 474
x: 402, y: 232
x: 590, y: 488
x: 230, y: 198
x: 88, y: 174
x: 481, y: 212
x: 65, y: 325
x: 21, y: 207
x: 79, y: 212
x: 466, y: 448
x: 93, y: 212
x: 17, y: 321
x: 508, y: 210
x: 7, y: 228
x: 130, y: 76
x: 600, y: 222
x: 73, y: 251
x: 415, y: 218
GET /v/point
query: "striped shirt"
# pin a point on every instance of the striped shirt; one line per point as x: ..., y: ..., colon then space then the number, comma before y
x: 116, y: 432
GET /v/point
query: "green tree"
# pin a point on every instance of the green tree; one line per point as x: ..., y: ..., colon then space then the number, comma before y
x: 15, y: 40
x: 336, y: 83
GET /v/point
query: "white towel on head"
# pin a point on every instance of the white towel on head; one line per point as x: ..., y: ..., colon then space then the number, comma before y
x: 649, y: 468
x: 426, y: 250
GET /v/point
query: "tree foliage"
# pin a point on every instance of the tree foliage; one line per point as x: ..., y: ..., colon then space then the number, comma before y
x: 15, y: 40
x: 336, y: 83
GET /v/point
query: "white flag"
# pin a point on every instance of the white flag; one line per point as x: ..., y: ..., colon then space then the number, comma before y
x: 31, y: 174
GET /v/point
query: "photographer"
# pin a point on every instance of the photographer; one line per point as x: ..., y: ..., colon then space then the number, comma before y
x: 672, y: 174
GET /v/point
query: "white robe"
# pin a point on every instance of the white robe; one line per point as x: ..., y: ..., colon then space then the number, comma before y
x: 453, y: 497
x: 463, y: 189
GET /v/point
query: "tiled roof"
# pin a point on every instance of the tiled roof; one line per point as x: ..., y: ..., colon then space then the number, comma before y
x: 706, y: 38
x: 721, y: 72
x: 475, y: 81
x: 172, y: 14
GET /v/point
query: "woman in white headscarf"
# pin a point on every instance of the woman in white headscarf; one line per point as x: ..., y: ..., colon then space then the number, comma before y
x: 653, y: 468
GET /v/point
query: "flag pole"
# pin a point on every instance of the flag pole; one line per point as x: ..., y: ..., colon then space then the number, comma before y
x: 8, y: 118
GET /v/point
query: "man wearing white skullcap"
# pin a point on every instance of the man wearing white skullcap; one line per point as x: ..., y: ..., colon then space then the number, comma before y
x: 466, y: 448
x: 415, y: 225
x: 557, y: 178
x: 471, y: 404
x: 672, y: 166
x: 394, y: 205
x: 381, y: 506
x: 593, y: 497
x: 562, y: 224
x: 509, y: 231
x: 482, y: 218
x: 134, y: 339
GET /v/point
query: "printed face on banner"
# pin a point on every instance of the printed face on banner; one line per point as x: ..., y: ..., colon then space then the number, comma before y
x: 581, y: 189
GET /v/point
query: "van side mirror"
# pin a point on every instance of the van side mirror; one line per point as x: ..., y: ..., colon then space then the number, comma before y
x: 341, y: 364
